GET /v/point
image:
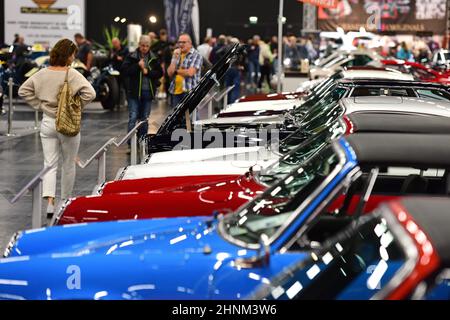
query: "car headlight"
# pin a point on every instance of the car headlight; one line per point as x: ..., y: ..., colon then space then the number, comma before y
x: 59, y: 213
x: 11, y: 244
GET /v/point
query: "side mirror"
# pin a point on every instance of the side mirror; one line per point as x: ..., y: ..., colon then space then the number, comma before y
x: 261, y: 260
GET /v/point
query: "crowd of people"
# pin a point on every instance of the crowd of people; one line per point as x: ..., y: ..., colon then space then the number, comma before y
x: 159, y: 68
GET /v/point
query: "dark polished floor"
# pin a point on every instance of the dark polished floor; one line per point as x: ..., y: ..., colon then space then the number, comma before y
x: 21, y: 158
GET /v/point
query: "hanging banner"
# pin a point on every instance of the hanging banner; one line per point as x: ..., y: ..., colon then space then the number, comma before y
x: 43, y: 21
x: 178, y: 15
x: 400, y: 16
x: 321, y: 3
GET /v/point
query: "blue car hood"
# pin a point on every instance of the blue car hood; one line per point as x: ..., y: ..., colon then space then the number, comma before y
x: 174, y: 235
x: 143, y: 259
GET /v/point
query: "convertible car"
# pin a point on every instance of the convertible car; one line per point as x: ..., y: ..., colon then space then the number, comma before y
x: 258, y: 128
x: 149, y: 259
x: 379, y: 257
x: 347, y: 88
x: 222, y: 161
x: 147, y: 197
x: 419, y: 71
x: 311, y: 87
x: 308, y: 87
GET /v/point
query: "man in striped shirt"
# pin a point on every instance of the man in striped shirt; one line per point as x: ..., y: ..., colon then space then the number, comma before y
x: 184, y: 69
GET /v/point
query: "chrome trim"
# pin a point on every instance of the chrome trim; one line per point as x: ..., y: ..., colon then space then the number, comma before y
x: 349, y: 179
x: 121, y: 173
x: 294, y: 215
x: 412, y: 255
x: 57, y: 216
x: 11, y: 244
x: 98, y: 189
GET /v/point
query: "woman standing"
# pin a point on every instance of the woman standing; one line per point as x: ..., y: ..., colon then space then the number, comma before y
x: 41, y: 92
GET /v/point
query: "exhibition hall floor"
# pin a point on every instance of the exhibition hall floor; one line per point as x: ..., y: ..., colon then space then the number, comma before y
x: 21, y: 158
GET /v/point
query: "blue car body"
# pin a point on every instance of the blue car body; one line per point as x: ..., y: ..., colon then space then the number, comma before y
x: 175, y: 258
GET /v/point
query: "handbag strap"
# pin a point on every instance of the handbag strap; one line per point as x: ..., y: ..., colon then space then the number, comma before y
x: 67, y: 75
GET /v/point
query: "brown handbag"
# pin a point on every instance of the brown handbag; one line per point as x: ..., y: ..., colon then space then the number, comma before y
x: 68, y: 116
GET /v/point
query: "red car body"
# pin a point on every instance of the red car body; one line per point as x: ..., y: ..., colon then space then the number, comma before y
x: 162, y: 198
x: 273, y: 96
x: 419, y: 71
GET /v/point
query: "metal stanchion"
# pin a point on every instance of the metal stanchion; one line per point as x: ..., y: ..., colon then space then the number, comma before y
x: 142, y: 152
x: 102, y: 167
x: 10, y: 86
x: 225, y: 101
x: 210, y: 109
x: 35, y: 186
x: 133, y: 156
x: 36, y: 218
x: 36, y: 120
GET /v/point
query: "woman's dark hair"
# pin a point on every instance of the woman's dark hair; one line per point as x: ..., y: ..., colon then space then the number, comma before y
x: 61, y: 52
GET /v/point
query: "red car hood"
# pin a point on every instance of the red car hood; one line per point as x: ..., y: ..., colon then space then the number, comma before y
x: 272, y: 96
x: 193, y: 200
x: 163, y: 183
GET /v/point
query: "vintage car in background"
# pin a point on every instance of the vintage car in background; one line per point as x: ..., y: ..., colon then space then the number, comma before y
x: 148, y: 259
x: 146, y: 197
x: 418, y: 71
x: 288, y: 101
x: 308, y: 87
x: 243, y: 127
x: 341, y: 89
x: 381, y: 256
x: 341, y: 60
x: 441, y: 60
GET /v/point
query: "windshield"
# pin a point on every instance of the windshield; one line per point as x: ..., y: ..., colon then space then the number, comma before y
x: 334, y: 61
x: 355, y: 265
x: 267, y: 213
x: 311, y: 111
x: 300, y: 153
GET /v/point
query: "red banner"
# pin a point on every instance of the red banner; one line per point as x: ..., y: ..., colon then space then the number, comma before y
x: 322, y: 3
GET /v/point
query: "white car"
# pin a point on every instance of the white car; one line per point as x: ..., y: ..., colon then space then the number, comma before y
x: 391, y: 104
x: 342, y: 60
x: 267, y: 111
x: 218, y: 161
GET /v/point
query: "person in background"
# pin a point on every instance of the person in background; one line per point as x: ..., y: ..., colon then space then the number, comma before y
x: 19, y: 54
x: 205, y: 50
x: 84, y: 54
x: 142, y: 71
x: 153, y: 38
x: 233, y: 76
x: 253, y: 67
x: 265, y: 62
x: 294, y: 52
x: 117, y: 55
x: 163, y: 49
x: 206, y: 47
x: 217, y: 50
x: 41, y: 92
x: 404, y: 53
x: 184, y: 69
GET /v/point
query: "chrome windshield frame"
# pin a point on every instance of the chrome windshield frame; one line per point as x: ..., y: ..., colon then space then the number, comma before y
x: 296, y: 213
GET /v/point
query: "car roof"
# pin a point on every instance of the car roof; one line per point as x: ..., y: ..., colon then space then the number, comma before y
x: 433, y: 217
x: 403, y: 150
x: 398, y: 122
x: 394, y: 103
x: 388, y: 82
x: 375, y: 73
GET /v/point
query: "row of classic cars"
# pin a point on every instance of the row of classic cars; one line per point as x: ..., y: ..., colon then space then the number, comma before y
x: 292, y: 216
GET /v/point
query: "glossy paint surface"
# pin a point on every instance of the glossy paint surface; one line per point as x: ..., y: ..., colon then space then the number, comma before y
x: 158, y: 198
x: 145, y: 259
